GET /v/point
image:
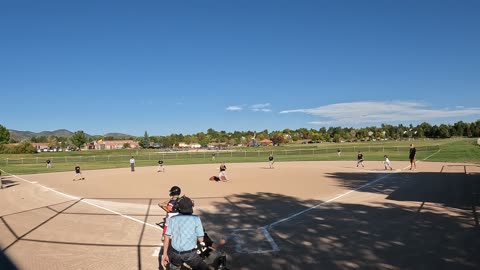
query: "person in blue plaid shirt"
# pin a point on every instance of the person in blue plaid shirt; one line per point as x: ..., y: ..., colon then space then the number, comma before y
x: 180, y: 242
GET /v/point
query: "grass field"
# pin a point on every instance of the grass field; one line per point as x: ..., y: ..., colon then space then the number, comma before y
x: 449, y: 150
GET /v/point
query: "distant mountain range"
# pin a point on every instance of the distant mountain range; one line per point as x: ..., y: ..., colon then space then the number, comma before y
x: 22, y: 135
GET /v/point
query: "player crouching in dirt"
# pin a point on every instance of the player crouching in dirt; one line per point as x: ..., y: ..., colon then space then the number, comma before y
x: 186, y: 244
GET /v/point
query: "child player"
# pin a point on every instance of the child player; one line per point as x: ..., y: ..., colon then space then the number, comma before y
x: 78, y: 173
x: 170, y: 206
x: 161, y: 168
x: 387, y: 164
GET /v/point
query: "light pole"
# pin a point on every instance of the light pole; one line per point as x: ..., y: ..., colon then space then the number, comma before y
x: 411, y: 133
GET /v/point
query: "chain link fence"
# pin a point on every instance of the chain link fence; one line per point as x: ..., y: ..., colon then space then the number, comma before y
x: 219, y: 155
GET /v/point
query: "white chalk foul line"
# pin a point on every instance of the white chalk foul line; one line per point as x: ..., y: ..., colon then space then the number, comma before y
x: 341, y: 195
x: 87, y: 202
x: 272, y: 242
x: 431, y: 155
x: 325, y: 202
x: 265, y: 229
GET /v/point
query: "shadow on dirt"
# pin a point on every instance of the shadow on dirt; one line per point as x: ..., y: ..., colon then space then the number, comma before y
x: 6, y: 182
x: 427, y: 221
x: 5, y: 263
x: 434, y: 230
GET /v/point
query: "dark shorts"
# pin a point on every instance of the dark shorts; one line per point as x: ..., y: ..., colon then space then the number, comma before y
x: 176, y: 260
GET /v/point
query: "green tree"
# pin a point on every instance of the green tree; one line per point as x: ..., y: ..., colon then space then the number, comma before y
x: 277, y: 138
x: 79, y: 138
x: 145, y: 141
x: 25, y: 147
x: 4, y: 135
x: 443, y: 131
x: 52, y: 142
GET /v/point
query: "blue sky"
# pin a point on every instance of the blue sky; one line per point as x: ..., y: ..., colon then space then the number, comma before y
x: 186, y: 66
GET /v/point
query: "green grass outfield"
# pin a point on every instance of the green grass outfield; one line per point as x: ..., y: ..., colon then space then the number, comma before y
x: 447, y: 150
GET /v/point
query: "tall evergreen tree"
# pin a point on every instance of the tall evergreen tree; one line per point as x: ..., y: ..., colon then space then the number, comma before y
x: 4, y: 135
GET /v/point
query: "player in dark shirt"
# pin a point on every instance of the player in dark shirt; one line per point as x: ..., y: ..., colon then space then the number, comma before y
x: 360, y: 159
x: 270, y: 161
x: 78, y: 173
x: 413, y: 157
x: 170, y: 206
x: 223, y: 175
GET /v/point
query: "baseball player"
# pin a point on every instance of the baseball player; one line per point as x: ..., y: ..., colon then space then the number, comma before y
x: 270, y: 161
x: 387, y: 164
x: 223, y: 175
x: 360, y: 159
x: 170, y: 206
x: 161, y: 168
x: 78, y: 174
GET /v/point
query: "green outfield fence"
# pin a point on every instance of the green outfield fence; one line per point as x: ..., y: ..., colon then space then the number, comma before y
x: 261, y: 153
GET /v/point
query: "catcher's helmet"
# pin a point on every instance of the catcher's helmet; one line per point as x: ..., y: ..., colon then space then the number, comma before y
x: 175, y: 191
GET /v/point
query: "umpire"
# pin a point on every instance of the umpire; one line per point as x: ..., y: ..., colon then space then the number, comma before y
x: 180, y: 242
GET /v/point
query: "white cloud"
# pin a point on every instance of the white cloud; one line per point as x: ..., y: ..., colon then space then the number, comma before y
x: 369, y: 112
x: 259, y: 106
x: 234, y: 108
x: 265, y: 107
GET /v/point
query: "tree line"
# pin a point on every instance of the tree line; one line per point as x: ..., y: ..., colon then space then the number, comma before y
x: 331, y: 134
x: 245, y: 138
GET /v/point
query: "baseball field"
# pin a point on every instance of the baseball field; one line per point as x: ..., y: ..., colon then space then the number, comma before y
x: 313, y: 210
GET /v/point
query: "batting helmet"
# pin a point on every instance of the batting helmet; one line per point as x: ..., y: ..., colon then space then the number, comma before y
x: 175, y: 191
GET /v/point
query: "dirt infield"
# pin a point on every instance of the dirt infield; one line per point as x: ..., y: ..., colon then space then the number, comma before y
x: 299, y: 215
